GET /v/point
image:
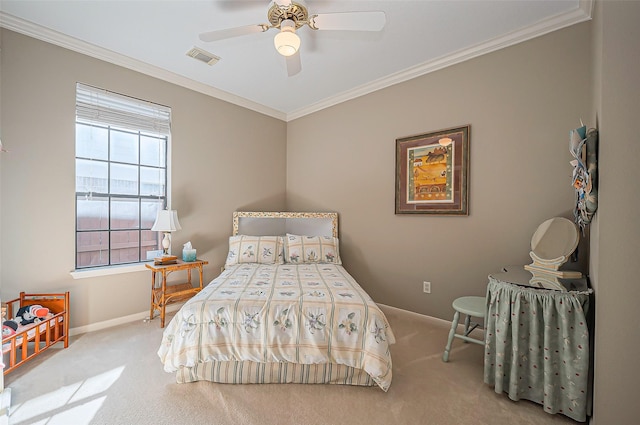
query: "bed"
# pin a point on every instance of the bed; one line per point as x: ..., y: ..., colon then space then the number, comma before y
x: 32, y: 339
x: 284, y: 310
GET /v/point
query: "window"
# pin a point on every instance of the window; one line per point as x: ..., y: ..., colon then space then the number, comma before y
x: 121, y: 176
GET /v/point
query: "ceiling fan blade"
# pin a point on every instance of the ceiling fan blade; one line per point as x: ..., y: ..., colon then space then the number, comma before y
x: 232, y: 32
x: 294, y: 64
x: 349, y: 21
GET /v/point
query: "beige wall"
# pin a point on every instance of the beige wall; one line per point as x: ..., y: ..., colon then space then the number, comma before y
x: 521, y: 103
x: 223, y: 158
x: 616, y: 233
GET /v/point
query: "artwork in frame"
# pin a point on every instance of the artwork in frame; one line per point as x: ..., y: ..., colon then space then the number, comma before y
x: 432, y: 172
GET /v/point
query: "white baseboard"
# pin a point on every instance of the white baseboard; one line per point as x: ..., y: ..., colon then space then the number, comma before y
x: 119, y: 321
x: 477, y: 333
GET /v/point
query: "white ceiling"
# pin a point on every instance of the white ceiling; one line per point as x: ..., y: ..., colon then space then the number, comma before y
x: 419, y: 37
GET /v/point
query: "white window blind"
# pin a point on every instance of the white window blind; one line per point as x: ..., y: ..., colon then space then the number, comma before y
x: 94, y: 105
x: 122, y: 173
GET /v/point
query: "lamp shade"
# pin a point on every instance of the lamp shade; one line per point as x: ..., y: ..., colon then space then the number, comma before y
x: 287, y: 41
x: 166, y: 221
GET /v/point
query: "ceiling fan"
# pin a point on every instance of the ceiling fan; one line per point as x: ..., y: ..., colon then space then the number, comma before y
x: 288, y: 16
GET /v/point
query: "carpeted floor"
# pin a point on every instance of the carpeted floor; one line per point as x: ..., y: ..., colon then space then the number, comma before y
x: 114, y: 377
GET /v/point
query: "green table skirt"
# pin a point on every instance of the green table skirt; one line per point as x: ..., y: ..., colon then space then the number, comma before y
x: 537, y: 347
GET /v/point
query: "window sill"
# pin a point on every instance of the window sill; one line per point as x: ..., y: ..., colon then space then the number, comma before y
x: 106, y: 271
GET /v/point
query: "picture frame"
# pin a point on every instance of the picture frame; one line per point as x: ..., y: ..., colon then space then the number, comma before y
x: 432, y: 172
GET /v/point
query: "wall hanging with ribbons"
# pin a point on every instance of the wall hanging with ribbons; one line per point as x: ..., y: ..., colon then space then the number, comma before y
x: 583, y: 145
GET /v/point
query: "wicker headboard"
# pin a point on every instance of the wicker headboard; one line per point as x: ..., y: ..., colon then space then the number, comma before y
x: 281, y: 223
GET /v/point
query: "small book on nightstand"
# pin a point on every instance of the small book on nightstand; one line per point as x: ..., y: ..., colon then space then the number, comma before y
x: 164, y: 260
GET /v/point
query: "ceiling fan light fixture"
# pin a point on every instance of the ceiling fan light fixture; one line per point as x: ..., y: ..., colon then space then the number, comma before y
x: 287, y: 41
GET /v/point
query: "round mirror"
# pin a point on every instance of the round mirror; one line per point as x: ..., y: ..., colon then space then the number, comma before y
x: 555, y: 238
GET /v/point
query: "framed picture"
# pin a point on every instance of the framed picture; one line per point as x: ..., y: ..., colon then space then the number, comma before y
x: 432, y: 173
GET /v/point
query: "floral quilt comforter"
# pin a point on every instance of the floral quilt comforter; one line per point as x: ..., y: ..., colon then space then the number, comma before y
x: 306, y: 314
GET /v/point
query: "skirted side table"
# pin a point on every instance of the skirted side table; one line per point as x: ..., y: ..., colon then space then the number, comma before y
x: 537, y: 342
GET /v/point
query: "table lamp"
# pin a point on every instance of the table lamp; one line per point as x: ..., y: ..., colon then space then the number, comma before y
x: 166, y: 222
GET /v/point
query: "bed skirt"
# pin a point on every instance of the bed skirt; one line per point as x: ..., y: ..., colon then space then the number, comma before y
x: 247, y: 372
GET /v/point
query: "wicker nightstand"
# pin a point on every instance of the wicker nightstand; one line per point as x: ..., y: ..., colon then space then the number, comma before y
x: 163, y: 294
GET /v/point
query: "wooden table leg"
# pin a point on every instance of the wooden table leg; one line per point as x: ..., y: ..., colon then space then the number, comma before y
x: 162, y: 300
x: 153, y: 285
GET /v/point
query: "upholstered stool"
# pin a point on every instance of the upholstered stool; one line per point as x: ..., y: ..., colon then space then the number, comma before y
x: 472, y: 307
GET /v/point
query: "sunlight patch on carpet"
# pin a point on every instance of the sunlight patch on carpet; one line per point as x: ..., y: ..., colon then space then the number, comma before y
x: 78, y: 402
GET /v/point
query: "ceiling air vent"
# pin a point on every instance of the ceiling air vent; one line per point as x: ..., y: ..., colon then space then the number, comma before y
x: 203, y: 56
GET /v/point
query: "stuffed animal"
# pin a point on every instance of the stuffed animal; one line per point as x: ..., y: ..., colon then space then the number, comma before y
x: 31, y: 314
x: 9, y: 328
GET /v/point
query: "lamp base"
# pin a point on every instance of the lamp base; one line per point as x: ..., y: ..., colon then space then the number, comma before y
x: 166, y: 243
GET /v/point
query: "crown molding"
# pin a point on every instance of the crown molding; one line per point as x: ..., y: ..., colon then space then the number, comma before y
x: 580, y: 14
x: 53, y: 37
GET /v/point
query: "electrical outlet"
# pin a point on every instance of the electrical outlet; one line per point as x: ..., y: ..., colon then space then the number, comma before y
x: 426, y: 287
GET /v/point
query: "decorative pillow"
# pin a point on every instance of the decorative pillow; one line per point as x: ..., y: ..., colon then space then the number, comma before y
x: 255, y: 249
x: 311, y: 249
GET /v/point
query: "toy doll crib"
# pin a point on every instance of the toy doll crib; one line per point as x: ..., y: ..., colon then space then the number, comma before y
x: 32, y: 339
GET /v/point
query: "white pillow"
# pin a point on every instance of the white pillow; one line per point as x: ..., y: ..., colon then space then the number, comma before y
x: 312, y: 249
x: 255, y: 249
